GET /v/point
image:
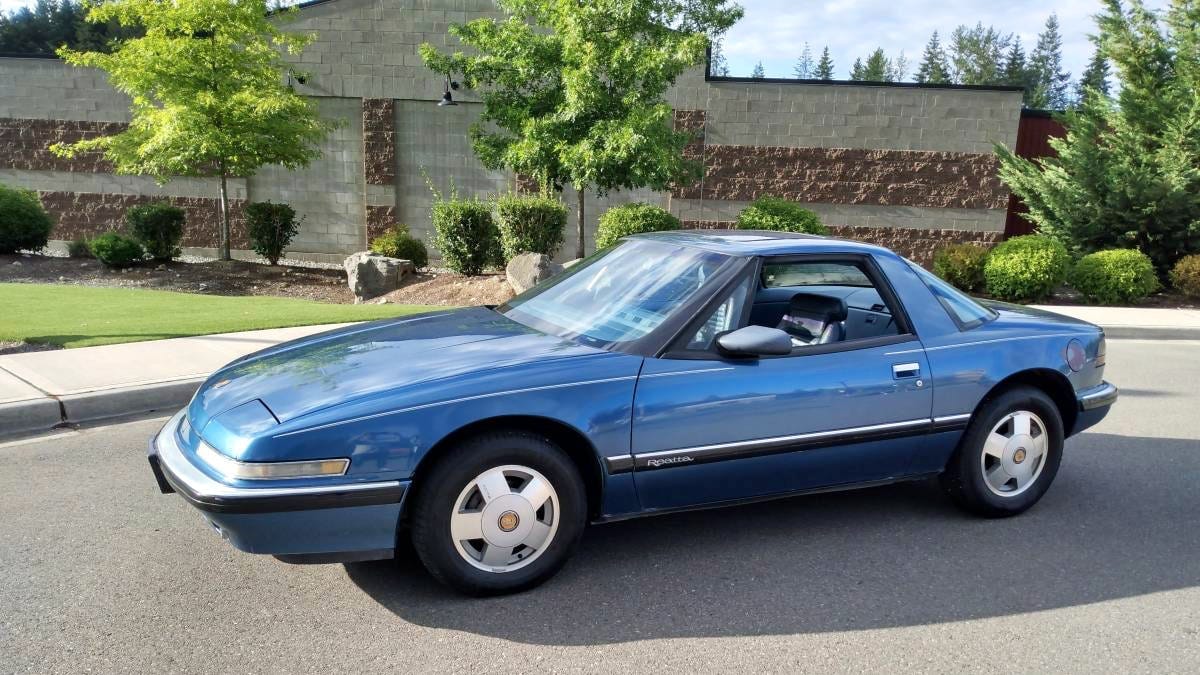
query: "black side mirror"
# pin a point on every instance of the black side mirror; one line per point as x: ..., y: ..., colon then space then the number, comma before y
x: 755, y: 341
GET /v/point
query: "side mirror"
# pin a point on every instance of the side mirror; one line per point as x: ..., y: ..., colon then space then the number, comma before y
x: 755, y: 341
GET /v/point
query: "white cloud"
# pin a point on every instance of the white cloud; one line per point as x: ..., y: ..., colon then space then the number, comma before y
x: 774, y: 31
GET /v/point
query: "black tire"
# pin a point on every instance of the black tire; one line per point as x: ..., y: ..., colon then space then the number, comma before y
x: 434, y: 501
x: 963, y: 480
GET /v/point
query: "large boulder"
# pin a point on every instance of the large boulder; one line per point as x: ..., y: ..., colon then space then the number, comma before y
x: 527, y: 270
x: 370, y: 274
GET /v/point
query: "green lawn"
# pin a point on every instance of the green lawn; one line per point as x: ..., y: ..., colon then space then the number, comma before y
x: 80, y: 316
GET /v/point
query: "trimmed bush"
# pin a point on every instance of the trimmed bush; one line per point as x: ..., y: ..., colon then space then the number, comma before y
x: 24, y: 223
x: 779, y: 215
x: 398, y: 243
x: 1113, y: 276
x: 635, y: 218
x: 270, y: 228
x: 1185, y: 276
x: 79, y: 248
x: 1025, y: 269
x: 530, y: 224
x: 158, y: 227
x: 116, y: 250
x: 466, y: 235
x: 961, y: 265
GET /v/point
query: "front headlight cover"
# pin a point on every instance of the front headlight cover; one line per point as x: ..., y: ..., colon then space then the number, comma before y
x: 227, y: 466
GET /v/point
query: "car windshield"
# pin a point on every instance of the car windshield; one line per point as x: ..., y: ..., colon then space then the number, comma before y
x: 617, y: 295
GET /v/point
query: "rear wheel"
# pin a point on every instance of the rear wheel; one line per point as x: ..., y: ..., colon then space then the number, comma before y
x: 1008, y: 456
x: 501, y: 513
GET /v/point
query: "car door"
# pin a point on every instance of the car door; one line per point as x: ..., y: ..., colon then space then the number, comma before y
x: 710, y: 429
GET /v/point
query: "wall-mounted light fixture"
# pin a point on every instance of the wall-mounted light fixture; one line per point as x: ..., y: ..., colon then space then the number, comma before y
x: 447, y: 98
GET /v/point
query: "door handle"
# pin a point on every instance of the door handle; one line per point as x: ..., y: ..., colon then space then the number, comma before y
x: 903, y: 371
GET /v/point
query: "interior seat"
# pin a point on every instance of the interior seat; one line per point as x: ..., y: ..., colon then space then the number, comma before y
x: 814, y: 319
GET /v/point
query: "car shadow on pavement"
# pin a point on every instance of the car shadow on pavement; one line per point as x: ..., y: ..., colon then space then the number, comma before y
x: 1120, y: 521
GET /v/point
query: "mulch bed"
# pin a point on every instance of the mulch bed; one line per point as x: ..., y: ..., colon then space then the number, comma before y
x: 236, y: 277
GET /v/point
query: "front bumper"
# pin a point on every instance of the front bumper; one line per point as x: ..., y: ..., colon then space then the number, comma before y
x: 354, y: 519
x: 1094, y: 404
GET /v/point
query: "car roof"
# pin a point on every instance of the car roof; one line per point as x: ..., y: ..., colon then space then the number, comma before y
x: 762, y: 242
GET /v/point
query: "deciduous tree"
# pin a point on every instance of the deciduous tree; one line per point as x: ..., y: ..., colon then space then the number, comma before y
x: 573, y: 92
x: 209, y: 93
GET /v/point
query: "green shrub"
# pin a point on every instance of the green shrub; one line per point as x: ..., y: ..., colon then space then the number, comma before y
x: 779, y: 215
x: 1113, y: 276
x: 116, y: 250
x: 466, y: 235
x: 398, y: 243
x: 24, y: 223
x: 530, y: 224
x: 270, y: 228
x: 961, y: 265
x: 1026, y: 268
x: 635, y: 218
x: 1185, y: 276
x: 79, y: 248
x: 158, y: 227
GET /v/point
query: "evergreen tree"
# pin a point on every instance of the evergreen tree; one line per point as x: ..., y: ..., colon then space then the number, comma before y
x: 977, y: 54
x: 49, y: 24
x: 1051, y: 83
x: 1127, y: 174
x: 878, y: 68
x: 804, y: 65
x: 1094, y: 78
x: 857, y: 72
x: 934, y: 68
x: 824, y: 69
x: 758, y: 73
x: 718, y: 65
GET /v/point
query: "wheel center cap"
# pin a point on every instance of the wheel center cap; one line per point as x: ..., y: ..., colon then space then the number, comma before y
x: 1019, y: 455
x: 508, y: 521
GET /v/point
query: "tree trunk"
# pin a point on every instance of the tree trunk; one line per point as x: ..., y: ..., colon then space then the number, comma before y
x: 223, y: 253
x: 580, y: 229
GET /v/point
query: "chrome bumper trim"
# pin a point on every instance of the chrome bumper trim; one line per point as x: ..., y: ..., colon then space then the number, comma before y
x: 1098, y: 397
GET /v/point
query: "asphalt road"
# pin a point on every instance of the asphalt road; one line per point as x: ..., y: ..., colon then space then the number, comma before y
x: 101, y: 573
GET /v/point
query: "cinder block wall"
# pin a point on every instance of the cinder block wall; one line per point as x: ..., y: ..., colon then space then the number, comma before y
x: 904, y: 166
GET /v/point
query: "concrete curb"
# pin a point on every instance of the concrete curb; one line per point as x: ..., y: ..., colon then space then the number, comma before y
x: 107, y: 404
x: 29, y: 416
x: 1150, y: 333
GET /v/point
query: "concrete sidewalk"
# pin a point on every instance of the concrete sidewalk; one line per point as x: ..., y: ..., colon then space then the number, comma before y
x: 39, y: 390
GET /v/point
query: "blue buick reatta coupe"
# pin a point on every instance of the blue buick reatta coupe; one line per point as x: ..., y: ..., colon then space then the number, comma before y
x: 671, y: 371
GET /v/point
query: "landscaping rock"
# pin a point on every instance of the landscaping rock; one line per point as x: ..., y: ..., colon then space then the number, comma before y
x: 370, y: 274
x: 529, y: 269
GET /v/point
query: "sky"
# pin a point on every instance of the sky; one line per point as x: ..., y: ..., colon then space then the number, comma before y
x: 774, y: 31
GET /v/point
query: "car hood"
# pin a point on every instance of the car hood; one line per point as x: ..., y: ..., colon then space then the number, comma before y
x: 313, y: 373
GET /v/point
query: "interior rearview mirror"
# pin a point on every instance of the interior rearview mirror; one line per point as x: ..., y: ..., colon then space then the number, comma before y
x: 755, y: 341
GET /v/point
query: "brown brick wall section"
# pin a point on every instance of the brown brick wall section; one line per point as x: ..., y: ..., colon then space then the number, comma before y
x: 25, y: 144
x: 380, y: 219
x: 87, y: 214
x: 692, y: 121
x: 850, y: 176
x: 917, y: 245
x: 379, y: 140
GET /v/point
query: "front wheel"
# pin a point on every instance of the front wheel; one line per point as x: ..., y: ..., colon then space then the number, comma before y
x: 500, y: 514
x: 1008, y: 456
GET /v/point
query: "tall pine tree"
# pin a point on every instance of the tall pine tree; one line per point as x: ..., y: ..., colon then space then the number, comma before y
x: 717, y: 63
x: 977, y: 54
x: 1051, y: 83
x: 758, y: 73
x: 934, y: 68
x: 1094, y: 79
x: 857, y: 71
x: 878, y: 68
x: 824, y: 69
